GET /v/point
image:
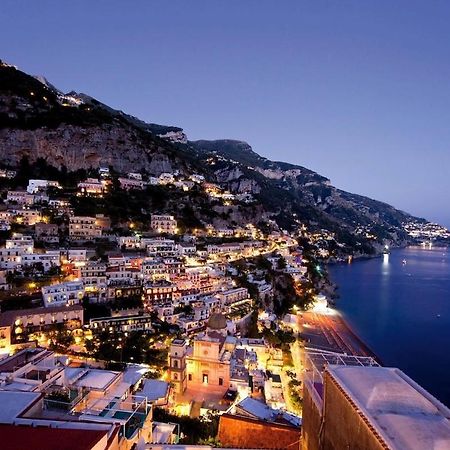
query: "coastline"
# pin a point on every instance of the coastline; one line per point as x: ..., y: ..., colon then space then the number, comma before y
x: 333, y: 294
x: 362, y: 344
x: 329, y: 331
x: 422, y: 287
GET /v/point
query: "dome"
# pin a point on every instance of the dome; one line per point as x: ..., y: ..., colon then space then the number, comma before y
x: 217, y: 321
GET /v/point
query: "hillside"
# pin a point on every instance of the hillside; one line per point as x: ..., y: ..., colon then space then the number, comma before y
x: 292, y: 189
x: 76, y: 131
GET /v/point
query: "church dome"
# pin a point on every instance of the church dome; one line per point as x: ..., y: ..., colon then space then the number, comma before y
x: 217, y: 321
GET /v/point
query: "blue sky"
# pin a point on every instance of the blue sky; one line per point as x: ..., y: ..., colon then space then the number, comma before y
x: 356, y: 90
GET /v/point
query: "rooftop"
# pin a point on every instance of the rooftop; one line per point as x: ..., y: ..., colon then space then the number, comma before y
x: 20, y: 359
x: 92, y: 378
x: 256, y: 409
x: 154, y: 390
x: 15, y: 403
x: 404, y: 414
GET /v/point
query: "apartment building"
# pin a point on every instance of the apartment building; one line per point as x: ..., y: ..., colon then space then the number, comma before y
x: 14, y: 323
x: 49, y: 259
x: 232, y: 296
x: 161, y: 247
x: 124, y: 324
x: 47, y: 232
x: 93, y: 276
x: 84, y: 228
x: 159, y: 292
x: 163, y: 223
x: 68, y: 293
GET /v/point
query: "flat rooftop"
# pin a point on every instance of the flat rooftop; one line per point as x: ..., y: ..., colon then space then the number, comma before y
x: 154, y: 390
x: 14, y: 362
x: 403, y: 413
x: 92, y: 378
x: 14, y: 403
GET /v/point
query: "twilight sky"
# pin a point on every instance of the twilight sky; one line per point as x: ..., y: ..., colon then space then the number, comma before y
x: 357, y: 90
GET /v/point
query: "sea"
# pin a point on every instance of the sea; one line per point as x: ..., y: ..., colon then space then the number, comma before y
x: 399, y: 305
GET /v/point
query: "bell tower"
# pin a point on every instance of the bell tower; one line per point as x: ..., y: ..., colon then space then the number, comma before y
x: 177, y: 365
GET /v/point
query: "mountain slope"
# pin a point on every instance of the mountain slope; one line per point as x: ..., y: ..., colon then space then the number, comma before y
x: 38, y: 121
x: 79, y: 132
x: 292, y: 189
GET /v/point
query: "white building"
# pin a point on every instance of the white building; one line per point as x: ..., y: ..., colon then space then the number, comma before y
x: 20, y: 197
x: 49, y: 259
x: 161, y: 247
x: 131, y: 183
x: 10, y: 259
x: 35, y: 186
x: 130, y: 242
x: 68, y: 293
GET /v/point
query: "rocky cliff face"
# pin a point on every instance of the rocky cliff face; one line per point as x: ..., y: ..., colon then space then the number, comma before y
x: 77, y: 131
x: 79, y: 147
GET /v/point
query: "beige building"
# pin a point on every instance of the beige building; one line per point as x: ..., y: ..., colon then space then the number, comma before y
x: 208, y: 362
x: 84, y: 228
x: 14, y: 323
x: 163, y: 223
x: 92, y: 187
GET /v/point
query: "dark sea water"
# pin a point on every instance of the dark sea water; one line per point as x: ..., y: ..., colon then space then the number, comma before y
x: 402, y: 312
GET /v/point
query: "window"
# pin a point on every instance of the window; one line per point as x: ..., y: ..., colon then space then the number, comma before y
x: 220, y: 381
x: 190, y: 377
x: 205, y: 378
x: 175, y: 364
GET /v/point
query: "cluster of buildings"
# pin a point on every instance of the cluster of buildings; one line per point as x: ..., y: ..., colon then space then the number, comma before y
x: 55, y: 402
x: 426, y: 231
x: 192, y: 284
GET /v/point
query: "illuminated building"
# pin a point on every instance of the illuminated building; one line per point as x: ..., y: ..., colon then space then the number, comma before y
x: 84, y: 228
x: 163, y: 223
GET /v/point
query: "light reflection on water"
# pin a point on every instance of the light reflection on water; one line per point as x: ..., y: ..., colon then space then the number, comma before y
x: 402, y: 311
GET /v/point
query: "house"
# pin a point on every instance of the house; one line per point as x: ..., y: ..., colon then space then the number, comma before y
x: 155, y: 391
x: 35, y: 186
x: 160, y: 247
x: 124, y: 324
x: 48, y: 260
x: 20, y: 197
x: 131, y: 183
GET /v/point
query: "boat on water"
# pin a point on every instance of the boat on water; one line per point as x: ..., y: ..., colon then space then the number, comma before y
x: 404, y: 262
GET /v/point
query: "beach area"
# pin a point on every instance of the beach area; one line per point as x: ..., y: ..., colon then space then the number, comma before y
x: 327, y: 330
